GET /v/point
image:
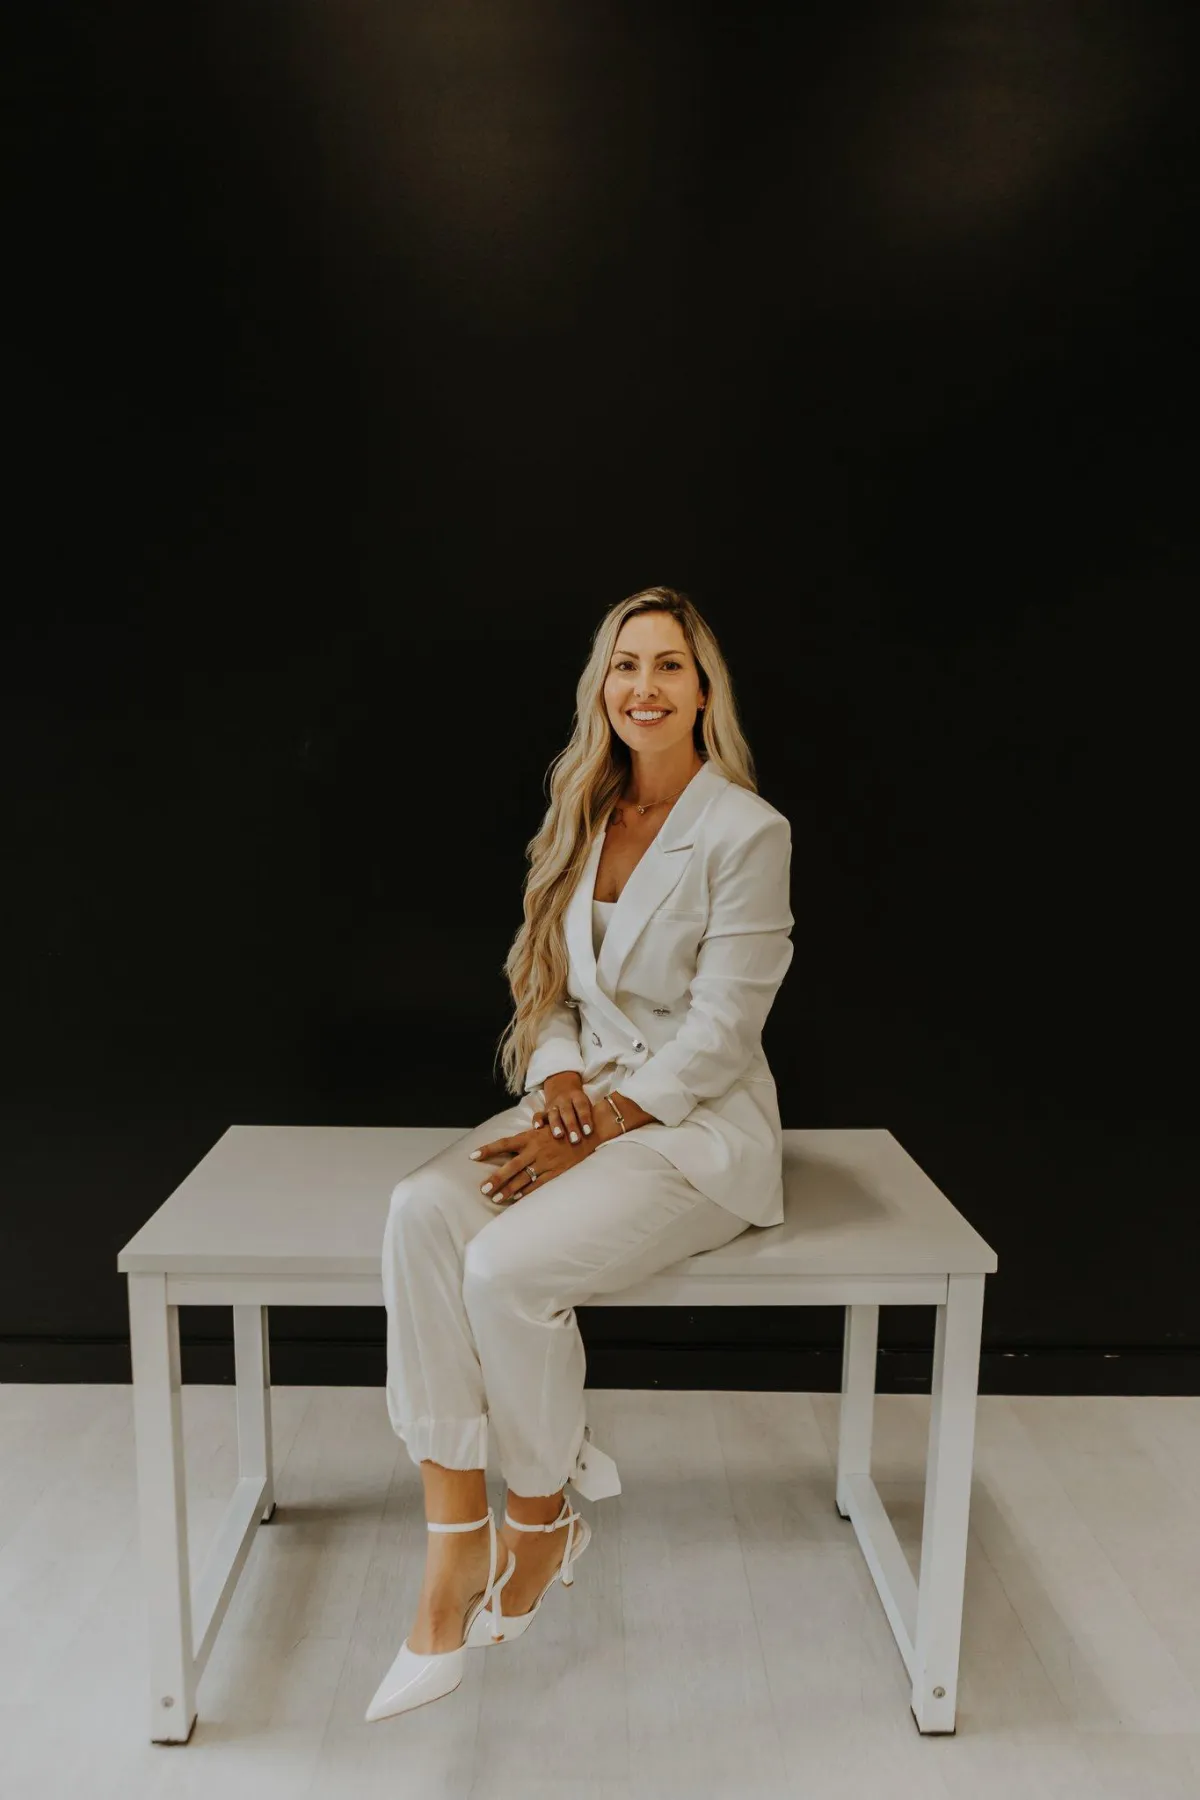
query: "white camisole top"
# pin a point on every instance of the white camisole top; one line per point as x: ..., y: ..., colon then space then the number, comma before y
x: 602, y: 912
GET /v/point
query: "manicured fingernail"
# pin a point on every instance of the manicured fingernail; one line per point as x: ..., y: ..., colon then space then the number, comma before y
x: 475, y: 1155
x: 587, y: 1131
x: 574, y: 1137
x: 558, y: 1131
x: 486, y: 1188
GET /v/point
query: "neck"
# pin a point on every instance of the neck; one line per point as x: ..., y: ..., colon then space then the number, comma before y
x: 655, y: 777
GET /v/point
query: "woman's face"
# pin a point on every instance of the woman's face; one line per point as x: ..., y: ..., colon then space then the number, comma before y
x: 652, y: 691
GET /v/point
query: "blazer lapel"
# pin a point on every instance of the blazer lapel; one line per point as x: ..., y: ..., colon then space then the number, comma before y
x: 657, y: 873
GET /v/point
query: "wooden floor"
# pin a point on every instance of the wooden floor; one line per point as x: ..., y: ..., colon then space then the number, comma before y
x: 723, y: 1640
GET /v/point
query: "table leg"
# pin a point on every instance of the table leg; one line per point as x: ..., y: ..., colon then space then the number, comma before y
x: 956, y: 1345
x: 856, y: 1415
x: 252, y: 1367
x: 162, y: 1507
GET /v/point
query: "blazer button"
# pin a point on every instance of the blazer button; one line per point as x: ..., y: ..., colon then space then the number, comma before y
x: 638, y: 1044
x: 595, y: 1039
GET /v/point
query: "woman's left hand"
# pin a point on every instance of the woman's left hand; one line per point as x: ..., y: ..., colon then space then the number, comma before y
x: 534, y: 1148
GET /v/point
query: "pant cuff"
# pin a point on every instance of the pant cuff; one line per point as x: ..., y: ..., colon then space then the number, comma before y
x: 454, y: 1443
x: 533, y: 1482
x: 593, y: 1474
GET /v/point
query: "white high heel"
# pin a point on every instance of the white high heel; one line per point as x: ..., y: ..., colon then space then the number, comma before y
x: 416, y: 1677
x: 491, y: 1625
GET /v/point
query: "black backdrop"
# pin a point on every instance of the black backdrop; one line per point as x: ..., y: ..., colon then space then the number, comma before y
x: 364, y: 353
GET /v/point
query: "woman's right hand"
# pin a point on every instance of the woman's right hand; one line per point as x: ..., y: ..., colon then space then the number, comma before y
x: 568, y: 1109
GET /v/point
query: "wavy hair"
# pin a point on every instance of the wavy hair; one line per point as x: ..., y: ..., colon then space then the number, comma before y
x: 585, y: 779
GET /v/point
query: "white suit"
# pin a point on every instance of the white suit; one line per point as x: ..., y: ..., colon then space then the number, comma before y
x: 480, y: 1298
x: 671, y: 1013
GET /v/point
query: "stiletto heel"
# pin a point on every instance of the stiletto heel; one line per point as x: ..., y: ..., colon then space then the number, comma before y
x: 416, y: 1677
x: 491, y: 1625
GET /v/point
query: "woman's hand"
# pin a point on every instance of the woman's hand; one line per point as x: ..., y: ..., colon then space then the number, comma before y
x: 568, y: 1108
x: 533, y: 1148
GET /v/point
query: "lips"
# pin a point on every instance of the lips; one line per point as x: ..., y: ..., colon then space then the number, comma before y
x: 648, y: 715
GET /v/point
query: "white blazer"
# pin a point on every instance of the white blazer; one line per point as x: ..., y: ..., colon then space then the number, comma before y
x: 672, y: 1012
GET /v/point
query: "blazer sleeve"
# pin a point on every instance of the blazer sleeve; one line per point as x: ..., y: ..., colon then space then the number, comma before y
x: 557, y: 1047
x: 744, y: 955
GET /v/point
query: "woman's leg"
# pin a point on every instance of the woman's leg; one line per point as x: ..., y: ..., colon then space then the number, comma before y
x: 435, y: 1392
x: 615, y: 1219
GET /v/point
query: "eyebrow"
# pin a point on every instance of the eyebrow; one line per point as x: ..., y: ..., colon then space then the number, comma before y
x: 680, y: 652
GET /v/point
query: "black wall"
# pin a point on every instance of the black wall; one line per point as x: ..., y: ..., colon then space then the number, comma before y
x: 363, y: 355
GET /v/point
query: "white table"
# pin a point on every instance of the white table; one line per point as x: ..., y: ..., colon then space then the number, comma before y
x: 294, y: 1216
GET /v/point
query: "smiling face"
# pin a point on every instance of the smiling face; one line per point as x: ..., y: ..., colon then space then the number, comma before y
x: 653, y: 691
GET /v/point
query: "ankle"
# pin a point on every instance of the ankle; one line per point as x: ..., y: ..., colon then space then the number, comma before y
x: 449, y: 1553
x: 454, y: 1497
x: 536, y: 1509
x: 451, y: 1572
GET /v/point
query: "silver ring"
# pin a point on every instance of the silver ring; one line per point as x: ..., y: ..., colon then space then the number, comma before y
x: 531, y: 1172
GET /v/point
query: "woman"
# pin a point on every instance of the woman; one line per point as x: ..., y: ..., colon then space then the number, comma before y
x: 655, y: 937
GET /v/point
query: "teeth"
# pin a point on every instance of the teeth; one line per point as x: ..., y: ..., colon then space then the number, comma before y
x: 647, y: 715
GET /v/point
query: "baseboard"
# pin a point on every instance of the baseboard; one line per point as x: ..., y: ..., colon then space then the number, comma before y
x: 643, y: 1363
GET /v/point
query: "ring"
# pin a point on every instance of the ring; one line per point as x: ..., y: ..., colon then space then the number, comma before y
x: 531, y: 1172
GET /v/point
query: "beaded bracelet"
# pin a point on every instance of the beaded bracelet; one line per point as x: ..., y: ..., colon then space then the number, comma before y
x: 616, y: 1110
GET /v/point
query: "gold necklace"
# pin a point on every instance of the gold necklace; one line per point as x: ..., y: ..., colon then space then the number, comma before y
x: 651, y: 804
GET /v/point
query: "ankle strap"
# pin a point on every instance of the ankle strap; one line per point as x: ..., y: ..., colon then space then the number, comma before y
x: 472, y: 1526
x: 563, y: 1518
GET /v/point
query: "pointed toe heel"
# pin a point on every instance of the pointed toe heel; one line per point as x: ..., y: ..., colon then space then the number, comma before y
x: 416, y: 1677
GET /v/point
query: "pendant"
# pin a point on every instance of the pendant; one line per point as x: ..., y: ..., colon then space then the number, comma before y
x: 641, y: 811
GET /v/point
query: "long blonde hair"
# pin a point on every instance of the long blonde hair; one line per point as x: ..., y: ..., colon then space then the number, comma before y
x: 584, y: 781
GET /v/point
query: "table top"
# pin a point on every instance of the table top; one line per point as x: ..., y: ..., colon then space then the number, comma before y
x: 313, y: 1200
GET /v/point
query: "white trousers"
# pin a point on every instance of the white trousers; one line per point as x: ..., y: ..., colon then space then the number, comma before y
x: 481, y: 1298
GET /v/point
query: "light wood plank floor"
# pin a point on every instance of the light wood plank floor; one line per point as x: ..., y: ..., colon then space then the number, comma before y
x: 723, y: 1640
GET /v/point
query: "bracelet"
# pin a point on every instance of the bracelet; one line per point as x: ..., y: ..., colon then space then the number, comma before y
x: 616, y: 1109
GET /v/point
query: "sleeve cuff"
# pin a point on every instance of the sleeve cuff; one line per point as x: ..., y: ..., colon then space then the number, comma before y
x: 552, y: 1058
x: 657, y: 1091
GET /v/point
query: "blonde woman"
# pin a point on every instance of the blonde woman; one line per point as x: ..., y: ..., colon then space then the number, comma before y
x: 645, y: 1130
